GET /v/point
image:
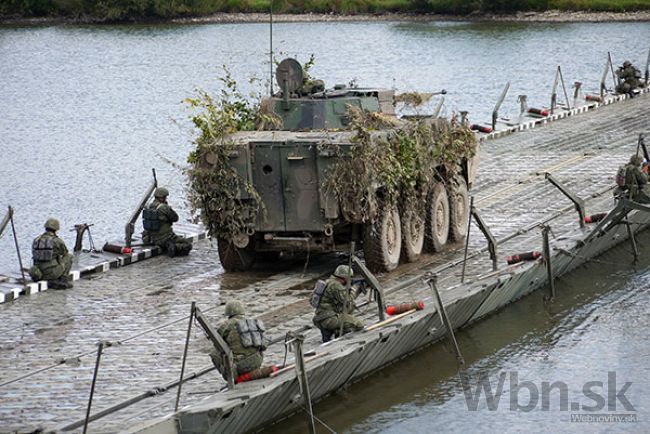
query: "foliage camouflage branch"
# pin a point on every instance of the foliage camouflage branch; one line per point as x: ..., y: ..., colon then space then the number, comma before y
x: 390, y: 160
x: 215, y: 186
x: 395, y: 161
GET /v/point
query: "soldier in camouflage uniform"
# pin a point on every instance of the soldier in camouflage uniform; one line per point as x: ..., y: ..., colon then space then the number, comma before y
x: 157, y: 220
x: 636, y: 180
x: 337, y: 306
x: 52, y: 262
x: 245, y: 337
x: 629, y: 78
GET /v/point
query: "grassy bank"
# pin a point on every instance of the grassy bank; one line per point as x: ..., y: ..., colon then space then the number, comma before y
x: 125, y: 10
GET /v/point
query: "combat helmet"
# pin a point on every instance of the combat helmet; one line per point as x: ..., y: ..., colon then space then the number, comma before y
x: 636, y: 159
x: 344, y: 272
x: 234, y: 308
x: 52, y: 224
x: 627, y: 63
x: 161, y: 192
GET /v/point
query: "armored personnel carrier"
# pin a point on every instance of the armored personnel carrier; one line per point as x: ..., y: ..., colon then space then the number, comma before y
x: 309, y: 182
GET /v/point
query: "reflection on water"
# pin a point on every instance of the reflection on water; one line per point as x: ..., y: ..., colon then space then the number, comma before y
x: 453, y: 28
x: 88, y: 110
x: 599, y: 323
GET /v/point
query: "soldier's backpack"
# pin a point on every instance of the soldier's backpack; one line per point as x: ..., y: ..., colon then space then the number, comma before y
x: 43, y: 249
x: 317, y: 293
x: 151, y: 219
x: 251, y: 333
x: 620, y: 177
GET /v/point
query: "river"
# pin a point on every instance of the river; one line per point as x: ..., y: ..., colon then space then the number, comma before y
x: 595, y: 331
x: 86, y: 112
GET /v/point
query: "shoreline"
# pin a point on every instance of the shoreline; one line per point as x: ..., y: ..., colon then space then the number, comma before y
x: 551, y: 16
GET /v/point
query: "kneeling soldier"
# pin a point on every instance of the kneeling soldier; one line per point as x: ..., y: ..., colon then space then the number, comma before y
x: 52, y: 262
x: 629, y: 78
x: 157, y: 220
x: 335, y: 305
x: 636, y: 180
x: 245, y: 337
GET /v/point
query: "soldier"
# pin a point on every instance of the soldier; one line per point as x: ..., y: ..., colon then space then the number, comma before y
x: 636, y: 180
x: 336, y: 305
x: 52, y: 262
x: 245, y: 337
x: 629, y: 78
x: 157, y: 220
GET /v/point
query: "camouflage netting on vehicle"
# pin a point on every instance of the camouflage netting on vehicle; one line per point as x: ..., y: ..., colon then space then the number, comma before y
x: 390, y: 160
x: 413, y: 99
x: 215, y: 186
x: 395, y: 162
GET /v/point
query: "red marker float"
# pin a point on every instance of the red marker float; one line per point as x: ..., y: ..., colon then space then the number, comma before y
x: 396, y: 309
x: 594, y: 218
x: 120, y: 250
x: 539, y: 112
x: 256, y: 374
x: 596, y: 98
x: 528, y: 256
x: 480, y: 128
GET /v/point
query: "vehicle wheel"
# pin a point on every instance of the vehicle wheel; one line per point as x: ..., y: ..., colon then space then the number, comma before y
x: 382, y: 241
x: 437, y: 219
x: 268, y: 256
x: 458, y: 209
x: 233, y: 258
x: 412, y: 235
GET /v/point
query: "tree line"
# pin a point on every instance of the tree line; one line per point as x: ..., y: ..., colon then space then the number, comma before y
x: 135, y: 10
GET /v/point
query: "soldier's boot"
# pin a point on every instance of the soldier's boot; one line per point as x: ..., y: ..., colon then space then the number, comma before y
x: 65, y: 281
x: 35, y: 273
x: 170, y: 247
x: 327, y: 335
x: 60, y: 283
x: 183, y: 249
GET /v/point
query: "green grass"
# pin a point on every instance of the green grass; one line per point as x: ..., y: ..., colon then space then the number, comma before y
x: 600, y: 5
x: 124, y: 10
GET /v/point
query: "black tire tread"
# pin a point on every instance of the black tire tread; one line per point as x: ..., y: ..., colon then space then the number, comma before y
x: 233, y: 258
x: 457, y: 230
x: 408, y: 255
x: 372, y: 246
x: 430, y: 244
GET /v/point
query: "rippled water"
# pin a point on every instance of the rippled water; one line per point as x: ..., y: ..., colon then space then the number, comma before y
x: 86, y: 112
x: 598, y: 324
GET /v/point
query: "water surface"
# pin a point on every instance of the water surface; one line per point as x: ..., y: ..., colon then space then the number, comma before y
x: 598, y: 325
x: 86, y: 112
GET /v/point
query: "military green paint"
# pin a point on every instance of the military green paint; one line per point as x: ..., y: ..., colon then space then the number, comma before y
x: 267, y: 178
x: 324, y: 110
x: 301, y: 187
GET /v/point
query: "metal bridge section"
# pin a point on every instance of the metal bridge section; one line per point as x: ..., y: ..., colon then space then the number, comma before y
x: 143, y: 313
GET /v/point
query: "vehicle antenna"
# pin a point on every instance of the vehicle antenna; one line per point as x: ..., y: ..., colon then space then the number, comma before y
x: 271, y: 43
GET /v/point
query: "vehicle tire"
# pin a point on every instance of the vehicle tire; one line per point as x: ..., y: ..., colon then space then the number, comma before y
x: 267, y: 256
x: 233, y: 258
x: 412, y: 235
x: 382, y: 241
x: 458, y: 209
x: 437, y: 219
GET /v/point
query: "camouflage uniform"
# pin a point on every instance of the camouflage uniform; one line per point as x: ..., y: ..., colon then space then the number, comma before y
x: 52, y: 262
x: 246, y: 359
x: 329, y: 313
x: 164, y: 237
x: 629, y: 78
x: 636, y: 182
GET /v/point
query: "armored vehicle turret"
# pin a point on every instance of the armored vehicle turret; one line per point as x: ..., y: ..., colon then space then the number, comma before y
x: 338, y: 165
